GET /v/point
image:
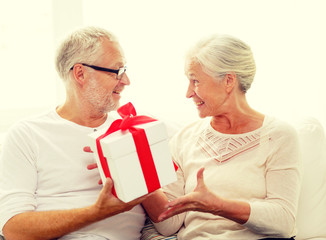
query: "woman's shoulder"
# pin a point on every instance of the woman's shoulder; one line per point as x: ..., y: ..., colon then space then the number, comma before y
x: 278, y: 128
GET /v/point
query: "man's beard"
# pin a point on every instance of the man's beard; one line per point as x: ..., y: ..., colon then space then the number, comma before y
x: 100, y: 98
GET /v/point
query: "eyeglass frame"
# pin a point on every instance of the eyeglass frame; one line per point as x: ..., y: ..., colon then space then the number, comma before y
x: 119, y: 71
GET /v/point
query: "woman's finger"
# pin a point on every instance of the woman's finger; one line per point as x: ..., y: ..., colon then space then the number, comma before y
x: 172, y: 211
x: 178, y: 201
x: 200, y: 176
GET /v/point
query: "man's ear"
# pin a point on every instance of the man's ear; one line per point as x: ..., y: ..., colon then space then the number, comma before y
x: 230, y: 81
x: 79, y: 73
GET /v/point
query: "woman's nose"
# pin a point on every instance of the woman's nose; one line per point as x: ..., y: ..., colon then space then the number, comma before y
x: 190, y: 92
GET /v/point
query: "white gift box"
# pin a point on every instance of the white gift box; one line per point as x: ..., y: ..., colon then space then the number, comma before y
x: 121, y: 155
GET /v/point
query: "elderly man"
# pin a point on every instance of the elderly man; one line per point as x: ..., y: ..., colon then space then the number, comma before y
x: 46, y: 192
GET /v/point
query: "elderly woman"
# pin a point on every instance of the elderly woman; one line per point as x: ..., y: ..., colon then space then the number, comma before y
x: 239, y: 169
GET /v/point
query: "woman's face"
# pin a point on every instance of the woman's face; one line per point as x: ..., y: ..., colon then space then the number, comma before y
x: 208, y: 94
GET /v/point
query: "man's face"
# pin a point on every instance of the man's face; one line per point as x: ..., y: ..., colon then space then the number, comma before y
x: 102, y: 90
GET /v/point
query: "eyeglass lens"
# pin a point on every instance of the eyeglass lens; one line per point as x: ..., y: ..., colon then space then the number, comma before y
x: 121, y: 72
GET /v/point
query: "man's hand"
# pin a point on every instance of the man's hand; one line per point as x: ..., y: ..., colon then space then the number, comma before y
x: 107, y: 200
x: 92, y: 165
x: 109, y: 205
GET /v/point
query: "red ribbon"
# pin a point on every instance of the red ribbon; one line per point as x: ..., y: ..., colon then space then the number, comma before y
x: 128, y: 121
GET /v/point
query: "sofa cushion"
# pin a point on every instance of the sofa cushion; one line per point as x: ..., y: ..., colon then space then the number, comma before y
x: 311, y: 219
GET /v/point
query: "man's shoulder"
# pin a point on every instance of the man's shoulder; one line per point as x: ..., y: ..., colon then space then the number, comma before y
x: 32, y: 121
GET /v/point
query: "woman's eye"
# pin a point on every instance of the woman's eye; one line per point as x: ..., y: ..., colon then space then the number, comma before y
x: 195, y: 82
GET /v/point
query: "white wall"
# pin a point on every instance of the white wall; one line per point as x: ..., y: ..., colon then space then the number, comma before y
x: 286, y: 37
x: 27, y: 76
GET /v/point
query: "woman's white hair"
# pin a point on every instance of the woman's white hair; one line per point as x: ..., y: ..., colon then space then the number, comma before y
x: 82, y: 46
x: 221, y: 54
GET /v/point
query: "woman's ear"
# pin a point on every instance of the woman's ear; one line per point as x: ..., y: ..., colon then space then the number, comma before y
x: 79, y: 73
x: 230, y: 81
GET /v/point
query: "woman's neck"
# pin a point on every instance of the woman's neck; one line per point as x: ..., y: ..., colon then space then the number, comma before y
x: 238, y: 118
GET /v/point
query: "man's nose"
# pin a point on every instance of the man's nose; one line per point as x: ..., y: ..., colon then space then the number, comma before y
x: 125, y: 79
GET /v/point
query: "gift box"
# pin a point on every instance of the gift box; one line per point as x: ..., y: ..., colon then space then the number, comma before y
x: 134, y: 152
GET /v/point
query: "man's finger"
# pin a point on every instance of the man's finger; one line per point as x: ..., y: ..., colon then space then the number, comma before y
x: 108, y: 185
x: 88, y: 149
x: 138, y: 200
x: 92, y: 166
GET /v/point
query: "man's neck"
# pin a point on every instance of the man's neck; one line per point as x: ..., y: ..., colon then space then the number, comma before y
x: 81, y: 116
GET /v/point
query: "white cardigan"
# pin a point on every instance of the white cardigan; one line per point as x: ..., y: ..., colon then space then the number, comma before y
x: 261, y: 167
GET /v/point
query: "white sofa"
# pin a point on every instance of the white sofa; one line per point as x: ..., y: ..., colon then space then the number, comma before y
x: 311, y: 219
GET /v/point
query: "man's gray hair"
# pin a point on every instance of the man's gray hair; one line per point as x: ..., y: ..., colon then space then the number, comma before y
x: 221, y: 54
x: 82, y: 46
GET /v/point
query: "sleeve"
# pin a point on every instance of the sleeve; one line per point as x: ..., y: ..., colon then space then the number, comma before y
x: 275, y: 215
x: 18, y: 174
x: 172, y: 191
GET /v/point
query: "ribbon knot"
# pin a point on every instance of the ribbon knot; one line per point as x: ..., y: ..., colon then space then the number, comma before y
x: 127, y: 110
x: 126, y: 123
x: 129, y: 118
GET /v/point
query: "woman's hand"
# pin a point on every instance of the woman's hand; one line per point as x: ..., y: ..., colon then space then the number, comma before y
x: 201, y: 200
x: 204, y: 200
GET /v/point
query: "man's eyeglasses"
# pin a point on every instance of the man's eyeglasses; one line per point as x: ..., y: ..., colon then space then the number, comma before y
x: 119, y: 71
